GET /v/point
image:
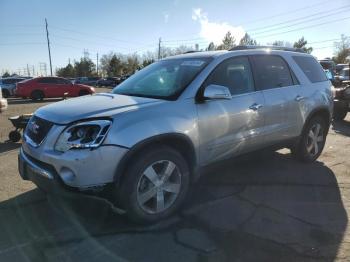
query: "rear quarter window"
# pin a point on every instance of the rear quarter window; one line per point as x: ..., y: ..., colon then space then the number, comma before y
x: 311, y: 68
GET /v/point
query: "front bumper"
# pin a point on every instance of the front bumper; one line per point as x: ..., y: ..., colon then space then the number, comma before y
x: 82, y: 169
x: 47, y: 179
x: 42, y: 175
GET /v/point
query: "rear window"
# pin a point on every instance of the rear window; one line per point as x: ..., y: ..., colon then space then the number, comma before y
x: 311, y: 68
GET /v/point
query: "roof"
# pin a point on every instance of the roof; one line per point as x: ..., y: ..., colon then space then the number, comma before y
x: 203, y: 54
x: 270, y: 47
x: 198, y: 54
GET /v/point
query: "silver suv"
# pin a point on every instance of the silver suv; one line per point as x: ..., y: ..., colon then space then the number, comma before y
x: 150, y: 137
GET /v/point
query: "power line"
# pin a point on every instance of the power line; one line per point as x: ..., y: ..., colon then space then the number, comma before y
x: 324, y: 41
x: 183, y: 40
x: 91, y: 42
x: 99, y: 36
x: 23, y: 43
x: 305, y: 27
x: 17, y: 34
x: 323, y: 47
x: 285, y: 13
x: 285, y: 22
x: 27, y: 25
x: 304, y: 20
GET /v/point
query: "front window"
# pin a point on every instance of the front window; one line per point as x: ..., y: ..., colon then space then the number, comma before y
x: 165, y: 79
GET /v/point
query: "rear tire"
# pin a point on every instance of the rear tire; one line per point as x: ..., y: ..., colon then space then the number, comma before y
x: 155, y: 185
x: 340, y: 113
x: 5, y: 93
x: 37, y: 95
x: 15, y: 136
x: 312, y: 140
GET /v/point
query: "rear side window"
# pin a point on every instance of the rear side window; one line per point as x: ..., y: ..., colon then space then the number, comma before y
x: 271, y: 71
x: 311, y: 68
x: 47, y: 80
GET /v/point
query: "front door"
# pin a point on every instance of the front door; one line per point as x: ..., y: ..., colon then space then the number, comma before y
x: 228, y: 127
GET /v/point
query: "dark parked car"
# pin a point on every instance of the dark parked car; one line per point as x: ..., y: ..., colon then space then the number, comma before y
x: 42, y: 87
x: 8, y: 85
x: 109, y: 81
x: 329, y: 65
x: 90, y: 81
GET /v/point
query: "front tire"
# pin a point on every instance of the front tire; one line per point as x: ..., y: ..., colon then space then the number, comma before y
x: 37, y: 95
x: 83, y: 93
x: 312, y: 140
x: 14, y: 136
x: 155, y: 185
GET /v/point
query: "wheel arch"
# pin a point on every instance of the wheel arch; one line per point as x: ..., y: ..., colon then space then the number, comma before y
x: 177, y: 141
x: 37, y: 90
x: 5, y: 92
x: 323, y: 112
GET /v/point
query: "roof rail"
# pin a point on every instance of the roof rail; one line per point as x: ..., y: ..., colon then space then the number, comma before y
x: 273, y: 47
x: 191, y: 51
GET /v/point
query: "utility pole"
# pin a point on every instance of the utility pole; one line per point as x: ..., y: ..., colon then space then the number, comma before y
x: 28, y: 73
x: 97, y: 63
x: 160, y: 40
x: 48, y: 45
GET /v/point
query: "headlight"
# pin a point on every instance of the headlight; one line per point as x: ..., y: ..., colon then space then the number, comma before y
x: 89, y: 134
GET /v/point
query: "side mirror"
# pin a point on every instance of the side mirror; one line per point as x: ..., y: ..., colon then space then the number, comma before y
x: 213, y: 92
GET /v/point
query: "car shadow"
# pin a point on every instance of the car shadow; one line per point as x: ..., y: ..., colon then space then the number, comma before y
x: 8, y: 146
x: 264, y: 206
x: 341, y: 127
x: 20, y: 101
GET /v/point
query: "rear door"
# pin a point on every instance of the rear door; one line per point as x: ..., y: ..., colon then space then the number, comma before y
x: 227, y: 127
x: 279, y: 88
x: 45, y: 84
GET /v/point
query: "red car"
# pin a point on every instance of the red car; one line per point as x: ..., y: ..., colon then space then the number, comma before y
x: 44, y: 87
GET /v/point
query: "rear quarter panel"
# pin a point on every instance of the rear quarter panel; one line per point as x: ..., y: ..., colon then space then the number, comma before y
x: 317, y: 95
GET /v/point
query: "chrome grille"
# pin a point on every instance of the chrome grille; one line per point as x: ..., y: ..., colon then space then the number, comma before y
x: 37, y: 129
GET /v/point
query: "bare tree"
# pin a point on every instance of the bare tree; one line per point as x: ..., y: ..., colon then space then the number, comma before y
x: 342, y: 50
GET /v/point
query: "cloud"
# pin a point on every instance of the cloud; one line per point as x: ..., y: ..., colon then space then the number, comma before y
x: 166, y: 17
x: 215, y: 31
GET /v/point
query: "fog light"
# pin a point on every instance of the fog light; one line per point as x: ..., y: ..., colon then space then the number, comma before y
x: 67, y: 174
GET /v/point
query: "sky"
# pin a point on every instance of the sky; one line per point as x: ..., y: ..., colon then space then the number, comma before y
x: 101, y: 26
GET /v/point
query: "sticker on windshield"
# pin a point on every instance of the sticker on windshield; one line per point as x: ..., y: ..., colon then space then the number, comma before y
x: 192, y: 63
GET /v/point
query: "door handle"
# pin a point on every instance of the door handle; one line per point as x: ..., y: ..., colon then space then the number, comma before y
x: 298, y: 98
x: 255, y: 106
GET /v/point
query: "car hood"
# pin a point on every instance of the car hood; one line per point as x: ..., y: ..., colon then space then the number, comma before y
x: 99, y: 105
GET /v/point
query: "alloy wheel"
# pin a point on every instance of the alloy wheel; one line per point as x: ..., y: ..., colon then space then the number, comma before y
x: 158, y: 186
x: 315, y: 139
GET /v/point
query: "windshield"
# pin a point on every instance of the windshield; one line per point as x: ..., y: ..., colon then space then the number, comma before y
x: 165, y: 79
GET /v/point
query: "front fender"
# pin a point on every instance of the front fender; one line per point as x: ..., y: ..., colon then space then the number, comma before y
x: 132, y: 127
